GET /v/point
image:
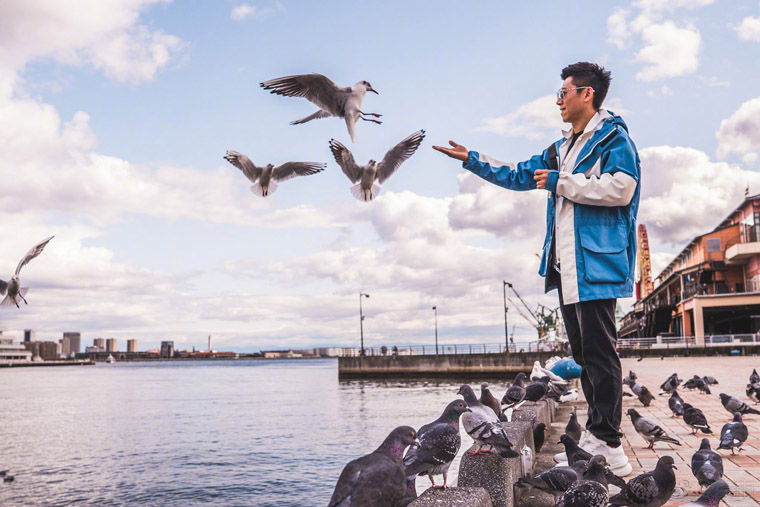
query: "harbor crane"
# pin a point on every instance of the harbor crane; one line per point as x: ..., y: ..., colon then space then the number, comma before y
x: 543, y: 318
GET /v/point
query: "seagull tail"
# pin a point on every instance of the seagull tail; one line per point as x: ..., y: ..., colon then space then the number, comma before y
x: 23, y: 290
x: 362, y: 195
x: 257, y: 189
x: 8, y: 301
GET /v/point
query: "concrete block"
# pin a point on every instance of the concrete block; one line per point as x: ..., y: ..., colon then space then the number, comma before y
x: 467, y: 497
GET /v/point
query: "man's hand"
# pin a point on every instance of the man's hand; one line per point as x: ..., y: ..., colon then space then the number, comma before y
x: 541, y: 175
x: 457, y: 151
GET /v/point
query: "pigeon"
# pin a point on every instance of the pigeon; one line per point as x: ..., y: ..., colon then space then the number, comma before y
x: 733, y: 404
x: 331, y: 99
x: 645, y: 397
x: 706, y: 464
x: 365, y: 175
x: 12, y: 288
x: 570, y: 396
x: 649, y: 430
x: 539, y: 372
x: 631, y: 377
x: 3, y: 473
x: 411, y: 491
x: 696, y: 419
x: 650, y: 489
x: 753, y: 392
x: 636, y: 388
x: 573, y: 428
x: 710, y: 380
x: 377, y: 478
x: 675, y: 402
x: 539, y: 435
x: 754, y: 378
x: 266, y: 178
x: 702, y: 386
x: 733, y: 434
x: 439, y: 444
x: 691, y: 383
x: 9, y: 478
x: 556, y: 480
x: 515, y: 393
x: 592, y: 490
x: 572, y: 450
x: 484, y: 427
x: 536, y: 390
x: 671, y: 383
x: 712, y: 496
x: 489, y: 400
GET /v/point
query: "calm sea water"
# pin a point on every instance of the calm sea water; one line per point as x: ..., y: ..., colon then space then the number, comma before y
x: 259, y: 433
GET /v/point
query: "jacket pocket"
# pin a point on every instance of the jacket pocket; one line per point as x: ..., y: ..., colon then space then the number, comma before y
x: 605, y: 253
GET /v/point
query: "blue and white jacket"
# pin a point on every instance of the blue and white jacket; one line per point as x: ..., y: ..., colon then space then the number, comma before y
x: 592, y: 206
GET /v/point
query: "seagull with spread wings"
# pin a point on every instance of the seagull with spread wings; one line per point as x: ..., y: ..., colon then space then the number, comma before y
x: 13, y: 286
x: 265, y: 178
x: 332, y: 100
x: 365, y: 175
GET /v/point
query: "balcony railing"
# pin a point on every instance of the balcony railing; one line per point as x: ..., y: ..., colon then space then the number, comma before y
x: 667, y: 342
x: 447, y: 349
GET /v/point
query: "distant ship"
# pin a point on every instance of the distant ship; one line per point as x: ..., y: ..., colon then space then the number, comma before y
x: 110, y: 359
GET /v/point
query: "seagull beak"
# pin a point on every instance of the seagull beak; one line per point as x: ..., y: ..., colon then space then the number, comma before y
x: 370, y: 89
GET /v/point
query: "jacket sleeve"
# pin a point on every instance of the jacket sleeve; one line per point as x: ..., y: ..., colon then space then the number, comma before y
x: 511, y: 176
x: 615, y: 185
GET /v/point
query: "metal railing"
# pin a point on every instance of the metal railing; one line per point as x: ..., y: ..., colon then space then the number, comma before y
x: 666, y: 342
x: 447, y: 349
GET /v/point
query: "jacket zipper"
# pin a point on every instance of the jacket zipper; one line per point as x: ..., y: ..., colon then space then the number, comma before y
x: 577, y: 164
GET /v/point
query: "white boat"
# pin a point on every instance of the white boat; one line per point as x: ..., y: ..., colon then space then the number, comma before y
x: 110, y: 359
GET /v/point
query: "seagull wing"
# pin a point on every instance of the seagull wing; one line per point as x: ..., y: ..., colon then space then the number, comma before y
x: 290, y: 170
x: 3, y: 286
x: 398, y: 154
x: 32, y: 253
x: 345, y: 160
x: 251, y: 171
x: 315, y: 88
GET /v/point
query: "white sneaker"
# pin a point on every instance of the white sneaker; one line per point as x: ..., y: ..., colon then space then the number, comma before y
x: 561, y: 457
x: 615, y: 456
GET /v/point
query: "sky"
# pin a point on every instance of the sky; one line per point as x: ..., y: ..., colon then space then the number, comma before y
x: 115, y: 116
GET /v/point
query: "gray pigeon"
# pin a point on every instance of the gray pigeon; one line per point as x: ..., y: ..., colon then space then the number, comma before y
x: 484, y: 427
x: 573, y: 428
x: 696, y: 419
x: 649, y: 431
x: 753, y: 392
x: 754, y: 378
x: 733, y: 434
x: 631, y: 378
x: 702, y: 386
x: 733, y: 404
x: 691, y: 383
x: 645, y: 397
x: 712, y: 496
x: 439, y: 444
x: 332, y: 100
x: 671, y: 383
x: 265, y: 178
x: 378, y: 478
x: 13, y: 286
x: 592, y: 491
x: 573, y: 451
x: 710, y: 380
x: 650, y: 489
x: 489, y: 400
x: 537, y: 390
x: 556, y: 480
x: 675, y: 402
x: 365, y: 175
x: 516, y: 392
x: 706, y: 464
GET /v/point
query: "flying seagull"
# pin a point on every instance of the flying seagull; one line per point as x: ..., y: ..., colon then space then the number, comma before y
x: 365, y: 175
x: 265, y: 178
x: 332, y: 100
x: 13, y: 288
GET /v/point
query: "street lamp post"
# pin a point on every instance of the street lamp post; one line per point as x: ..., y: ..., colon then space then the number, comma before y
x: 435, y: 309
x: 361, y: 320
x: 506, y: 328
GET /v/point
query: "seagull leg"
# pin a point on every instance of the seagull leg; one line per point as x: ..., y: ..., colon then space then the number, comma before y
x: 373, y: 121
x: 23, y: 299
x: 371, y: 114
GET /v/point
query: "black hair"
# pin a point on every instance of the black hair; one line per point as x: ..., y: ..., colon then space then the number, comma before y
x: 590, y: 74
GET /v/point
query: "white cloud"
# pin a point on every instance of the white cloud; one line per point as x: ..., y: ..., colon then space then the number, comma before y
x: 533, y: 120
x: 242, y: 12
x: 618, y: 31
x: 670, y: 51
x: 740, y: 133
x: 749, y: 29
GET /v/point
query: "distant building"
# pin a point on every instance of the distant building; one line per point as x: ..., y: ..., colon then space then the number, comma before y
x: 111, y: 345
x: 65, y: 344
x: 281, y: 354
x: 12, y: 353
x: 329, y: 351
x: 99, y: 342
x: 132, y: 345
x: 47, y: 351
x: 167, y: 349
x: 29, y: 335
x: 94, y: 349
x: 75, y: 341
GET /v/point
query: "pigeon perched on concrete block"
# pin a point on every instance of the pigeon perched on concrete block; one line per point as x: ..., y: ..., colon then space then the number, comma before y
x: 539, y: 435
x: 712, y: 496
x: 489, y: 400
x: 649, y: 430
x: 732, y: 404
x: 733, y: 434
x: 696, y: 419
x: 439, y: 444
x: 12, y: 288
x: 592, y: 490
x: 556, y: 480
x: 484, y: 427
x: 650, y: 489
x: 377, y: 478
x: 515, y: 393
x: 675, y: 402
x: 706, y: 464
x: 573, y: 428
x: 536, y: 390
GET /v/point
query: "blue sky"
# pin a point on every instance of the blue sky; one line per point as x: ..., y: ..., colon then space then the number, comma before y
x: 116, y: 115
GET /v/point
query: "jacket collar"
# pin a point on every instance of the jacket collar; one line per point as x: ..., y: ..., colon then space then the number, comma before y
x: 595, y: 123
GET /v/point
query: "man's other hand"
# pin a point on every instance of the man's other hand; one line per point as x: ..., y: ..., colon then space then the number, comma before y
x: 541, y: 175
x: 457, y: 151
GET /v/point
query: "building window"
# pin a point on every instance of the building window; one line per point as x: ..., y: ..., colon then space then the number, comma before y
x: 713, y: 244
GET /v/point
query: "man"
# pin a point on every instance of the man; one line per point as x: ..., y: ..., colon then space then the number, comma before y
x: 592, y: 175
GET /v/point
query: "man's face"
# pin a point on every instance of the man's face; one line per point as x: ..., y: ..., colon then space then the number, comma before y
x: 574, y: 105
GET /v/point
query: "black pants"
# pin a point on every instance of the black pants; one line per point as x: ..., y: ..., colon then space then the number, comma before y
x: 590, y: 327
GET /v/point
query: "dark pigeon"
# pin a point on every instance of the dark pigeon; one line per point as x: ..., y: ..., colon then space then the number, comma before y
x: 675, y: 402
x: 439, y: 444
x: 377, y: 478
x: 9, y: 478
x: 712, y: 496
x: 671, y: 383
x: 554, y: 481
x: 753, y: 392
x: 537, y: 390
x: 631, y: 377
x: 489, y: 400
x: 573, y: 428
x: 691, y: 383
x: 539, y: 434
x: 3, y: 473
x: 592, y: 490
x: 733, y: 434
x: 411, y: 491
x: 696, y: 419
x: 706, y: 464
x: 515, y: 393
x: 484, y: 427
x: 649, y: 431
x: 702, y: 386
x: 733, y: 404
x: 710, y: 380
x: 573, y: 451
x: 754, y: 378
x: 645, y: 397
x: 650, y: 489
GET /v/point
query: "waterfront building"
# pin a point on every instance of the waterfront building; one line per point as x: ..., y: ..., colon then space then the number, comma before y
x: 94, y: 349
x: 99, y: 342
x: 329, y: 352
x: 13, y: 352
x: 712, y: 287
x: 65, y: 345
x: 75, y: 341
x: 30, y: 335
x: 167, y: 349
x: 132, y: 345
x: 47, y: 351
x: 281, y: 354
x: 111, y: 345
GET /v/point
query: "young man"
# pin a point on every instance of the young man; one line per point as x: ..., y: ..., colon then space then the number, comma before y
x: 592, y: 175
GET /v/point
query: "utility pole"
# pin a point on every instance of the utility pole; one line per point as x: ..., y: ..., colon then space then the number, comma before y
x: 361, y: 320
x: 435, y: 309
x: 506, y: 327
